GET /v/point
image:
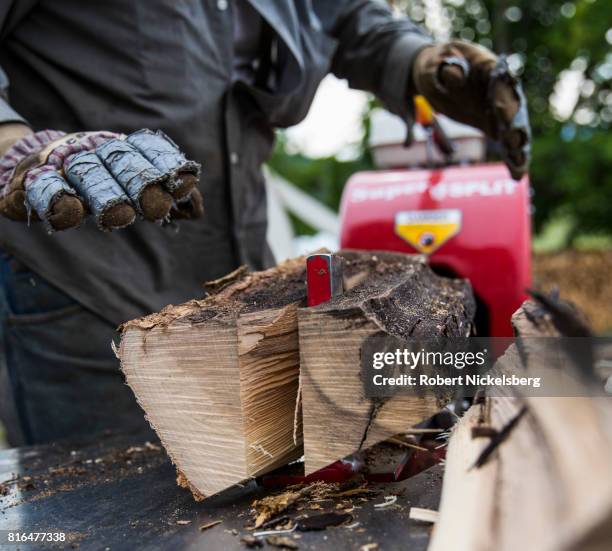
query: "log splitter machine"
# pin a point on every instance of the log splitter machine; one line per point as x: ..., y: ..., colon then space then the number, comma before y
x: 471, y: 220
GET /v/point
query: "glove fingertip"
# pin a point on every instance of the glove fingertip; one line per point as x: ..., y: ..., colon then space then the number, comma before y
x: 117, y: 216
x: 190, y: 208
x: 185, y: 183
x: 66, y: 212
x: 155, y: 203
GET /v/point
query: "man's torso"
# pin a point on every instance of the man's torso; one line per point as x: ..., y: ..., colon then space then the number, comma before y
x: 166, y: 64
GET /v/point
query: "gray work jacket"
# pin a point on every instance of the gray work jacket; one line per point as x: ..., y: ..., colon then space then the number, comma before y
x: 122, y: 65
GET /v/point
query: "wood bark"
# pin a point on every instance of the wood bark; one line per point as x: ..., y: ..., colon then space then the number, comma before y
x: 386, y: 294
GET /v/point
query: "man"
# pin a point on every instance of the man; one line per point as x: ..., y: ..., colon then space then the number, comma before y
x: 216, y: 76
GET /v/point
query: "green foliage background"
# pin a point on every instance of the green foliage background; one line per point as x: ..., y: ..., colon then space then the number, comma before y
x: 571, y: 171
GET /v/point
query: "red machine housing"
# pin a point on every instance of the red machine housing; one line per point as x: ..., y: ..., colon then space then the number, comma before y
x: 491, y: 241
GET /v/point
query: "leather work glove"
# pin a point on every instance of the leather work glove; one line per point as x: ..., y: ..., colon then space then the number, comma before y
x: 470, y: 84
x: 60, y: 178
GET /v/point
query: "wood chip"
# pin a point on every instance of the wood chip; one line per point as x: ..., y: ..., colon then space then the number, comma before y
x: 389, y: 501
x: 361, y: 491
x: 282, y: 541
x: 251, y: 541
x: 271, y: 506
x: 276, y: 522
x: 183, y: 522
x: 322, y: 521
x: 209, y: 525
x: 369, y: 547
x: 424, y: 515
x: 404, y: 444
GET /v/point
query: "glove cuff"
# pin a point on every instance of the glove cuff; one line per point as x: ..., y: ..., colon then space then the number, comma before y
x: 31, y: 144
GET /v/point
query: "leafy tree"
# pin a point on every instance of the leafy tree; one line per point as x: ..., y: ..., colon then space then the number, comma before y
x: 549, y: 43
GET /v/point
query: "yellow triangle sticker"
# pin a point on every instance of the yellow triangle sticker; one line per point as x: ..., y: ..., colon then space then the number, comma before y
x: 427, y: 230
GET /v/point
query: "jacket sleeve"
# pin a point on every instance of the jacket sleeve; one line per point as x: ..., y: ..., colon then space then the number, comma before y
x: 10, y: 12
x: 7, y: 113
x: 375, y: 50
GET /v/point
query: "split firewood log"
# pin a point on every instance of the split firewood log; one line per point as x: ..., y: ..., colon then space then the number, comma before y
x: 542, y: 479
x: 386, y: 294
x: 218, y: 377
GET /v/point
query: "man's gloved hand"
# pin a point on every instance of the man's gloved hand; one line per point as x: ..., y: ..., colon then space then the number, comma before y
x: 60, y: 178
x: 471, y: 85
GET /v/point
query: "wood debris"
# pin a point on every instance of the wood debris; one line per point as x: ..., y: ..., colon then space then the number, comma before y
x: 322, y: 521
x: 282, y: 542
x: 269, y: 511
x: 270, y: 506
x: 405, y: 444
x: 208, y: 525
x: 354, y: 492
x: 389, y: 502
x: 276, y: 522
x: 217, y: 285
x: 424, y: 515
x: 251, y: 541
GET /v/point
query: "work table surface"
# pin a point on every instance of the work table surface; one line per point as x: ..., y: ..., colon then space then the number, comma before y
x: 120, y: 493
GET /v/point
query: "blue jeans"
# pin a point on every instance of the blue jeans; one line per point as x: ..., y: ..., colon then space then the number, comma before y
x: 58, y: 375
